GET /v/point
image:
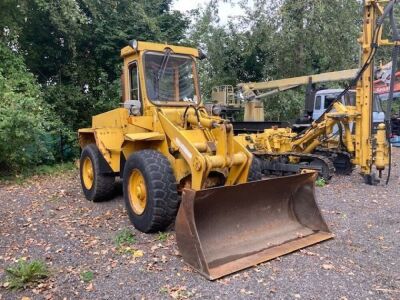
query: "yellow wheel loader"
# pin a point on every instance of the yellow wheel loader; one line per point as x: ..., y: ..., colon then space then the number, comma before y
x: 179, y: 163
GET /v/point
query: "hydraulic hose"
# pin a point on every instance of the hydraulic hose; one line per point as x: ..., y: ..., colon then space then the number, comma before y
x: 395, y: 55
x: 195, y: 111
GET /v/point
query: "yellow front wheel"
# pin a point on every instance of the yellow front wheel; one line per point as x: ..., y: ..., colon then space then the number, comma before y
x: 150, y: 191
x: 97, y: 184
x: 137, y: 192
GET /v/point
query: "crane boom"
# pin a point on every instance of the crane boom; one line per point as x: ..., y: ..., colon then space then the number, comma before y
x: 302, y: 80
x: 254, y: 91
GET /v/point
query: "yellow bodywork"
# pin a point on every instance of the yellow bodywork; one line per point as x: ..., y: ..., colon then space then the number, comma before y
x: 201, y: 148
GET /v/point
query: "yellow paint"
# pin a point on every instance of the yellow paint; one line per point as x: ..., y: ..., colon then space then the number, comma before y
x: 302, y: 80
x: 254, y: 111
x: 143, y: 136
x: 148, y: 46
x: 382, y: 155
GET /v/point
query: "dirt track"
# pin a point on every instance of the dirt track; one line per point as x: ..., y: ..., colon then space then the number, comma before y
x: 48, y: 218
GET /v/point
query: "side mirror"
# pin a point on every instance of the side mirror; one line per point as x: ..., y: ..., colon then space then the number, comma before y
x: 134, y: 107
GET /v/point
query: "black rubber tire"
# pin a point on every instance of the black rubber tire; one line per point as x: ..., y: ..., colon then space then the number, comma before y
x: 255, y: 172
x: 162, y: 196
x: 103, y: 185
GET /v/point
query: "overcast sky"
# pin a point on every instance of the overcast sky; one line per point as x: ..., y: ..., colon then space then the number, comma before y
x: 225, y: 9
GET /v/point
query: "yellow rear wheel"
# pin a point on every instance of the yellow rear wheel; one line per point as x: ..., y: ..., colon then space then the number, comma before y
x: 137, y: 192
x: 97, y: 183
x: 87, y: 173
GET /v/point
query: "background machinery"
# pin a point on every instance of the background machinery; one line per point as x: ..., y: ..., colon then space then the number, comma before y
x: 329, y: 156
x: 276, y: 139
x: 248, y: 99
x: 176, y: 159
x: 227, y: 103
x: 253, y: 92
x: 343, y: 133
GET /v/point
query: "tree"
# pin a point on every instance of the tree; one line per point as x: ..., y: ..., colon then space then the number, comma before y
x: 277, y: 39
x: 317, y: 36
x: 27, y: 123
x: 73, y: 47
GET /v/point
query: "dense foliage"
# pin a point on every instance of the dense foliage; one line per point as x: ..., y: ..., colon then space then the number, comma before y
x: 27, y: 123
x: 59, y: 60
x: 278, y: 39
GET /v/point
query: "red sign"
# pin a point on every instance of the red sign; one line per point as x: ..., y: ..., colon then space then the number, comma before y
x: 382, y: 86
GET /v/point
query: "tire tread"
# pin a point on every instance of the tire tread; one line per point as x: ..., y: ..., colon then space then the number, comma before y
x: 103, y: 184
x: 162, y: 189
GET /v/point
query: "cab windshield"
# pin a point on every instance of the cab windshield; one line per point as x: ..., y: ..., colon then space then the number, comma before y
x: 170, y: 77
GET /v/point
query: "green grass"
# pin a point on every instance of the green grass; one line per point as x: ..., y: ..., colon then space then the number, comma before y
x: 320, y: 182
x: 21, y: 176
x: 124, y: 238
x: 87, y: 276
x: 162, y: 236
x: 24, y: 274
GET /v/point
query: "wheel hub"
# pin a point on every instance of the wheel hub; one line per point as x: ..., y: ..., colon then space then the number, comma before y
x: 87, y: 173
x: 137, y: 192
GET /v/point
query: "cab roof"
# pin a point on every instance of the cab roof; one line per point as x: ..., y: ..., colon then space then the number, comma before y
x: 148, y: 46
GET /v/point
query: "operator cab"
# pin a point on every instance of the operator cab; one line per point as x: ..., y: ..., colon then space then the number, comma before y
x: 159, y: 75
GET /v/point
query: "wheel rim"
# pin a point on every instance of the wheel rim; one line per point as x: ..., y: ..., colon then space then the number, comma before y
x: 137, y: 192
x: 87, y: 173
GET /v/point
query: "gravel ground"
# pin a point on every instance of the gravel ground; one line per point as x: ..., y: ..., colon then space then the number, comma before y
x: 48, y: 218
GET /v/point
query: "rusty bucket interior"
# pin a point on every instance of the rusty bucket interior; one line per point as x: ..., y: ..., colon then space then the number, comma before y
x: 223, y: 230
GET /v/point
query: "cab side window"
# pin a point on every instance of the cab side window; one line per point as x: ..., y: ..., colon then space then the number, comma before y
x: 134, y: 82
x: 318, y: 103
x: 329, y: 99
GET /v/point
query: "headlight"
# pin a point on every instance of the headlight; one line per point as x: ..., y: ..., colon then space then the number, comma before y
x: 133, y: 44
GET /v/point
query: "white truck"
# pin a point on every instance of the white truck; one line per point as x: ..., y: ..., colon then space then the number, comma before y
x: 324, y: 98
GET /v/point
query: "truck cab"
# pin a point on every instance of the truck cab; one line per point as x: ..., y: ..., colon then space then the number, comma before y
x: 324, y: 98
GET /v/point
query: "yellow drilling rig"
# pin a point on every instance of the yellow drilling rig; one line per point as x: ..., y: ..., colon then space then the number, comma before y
x: 254, y: 95
x: 345, y: 133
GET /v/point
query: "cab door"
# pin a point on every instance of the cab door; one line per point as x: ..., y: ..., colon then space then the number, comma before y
x: 318, y: 107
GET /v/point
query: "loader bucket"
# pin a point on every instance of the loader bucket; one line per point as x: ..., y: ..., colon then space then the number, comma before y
x: 223, y: 230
